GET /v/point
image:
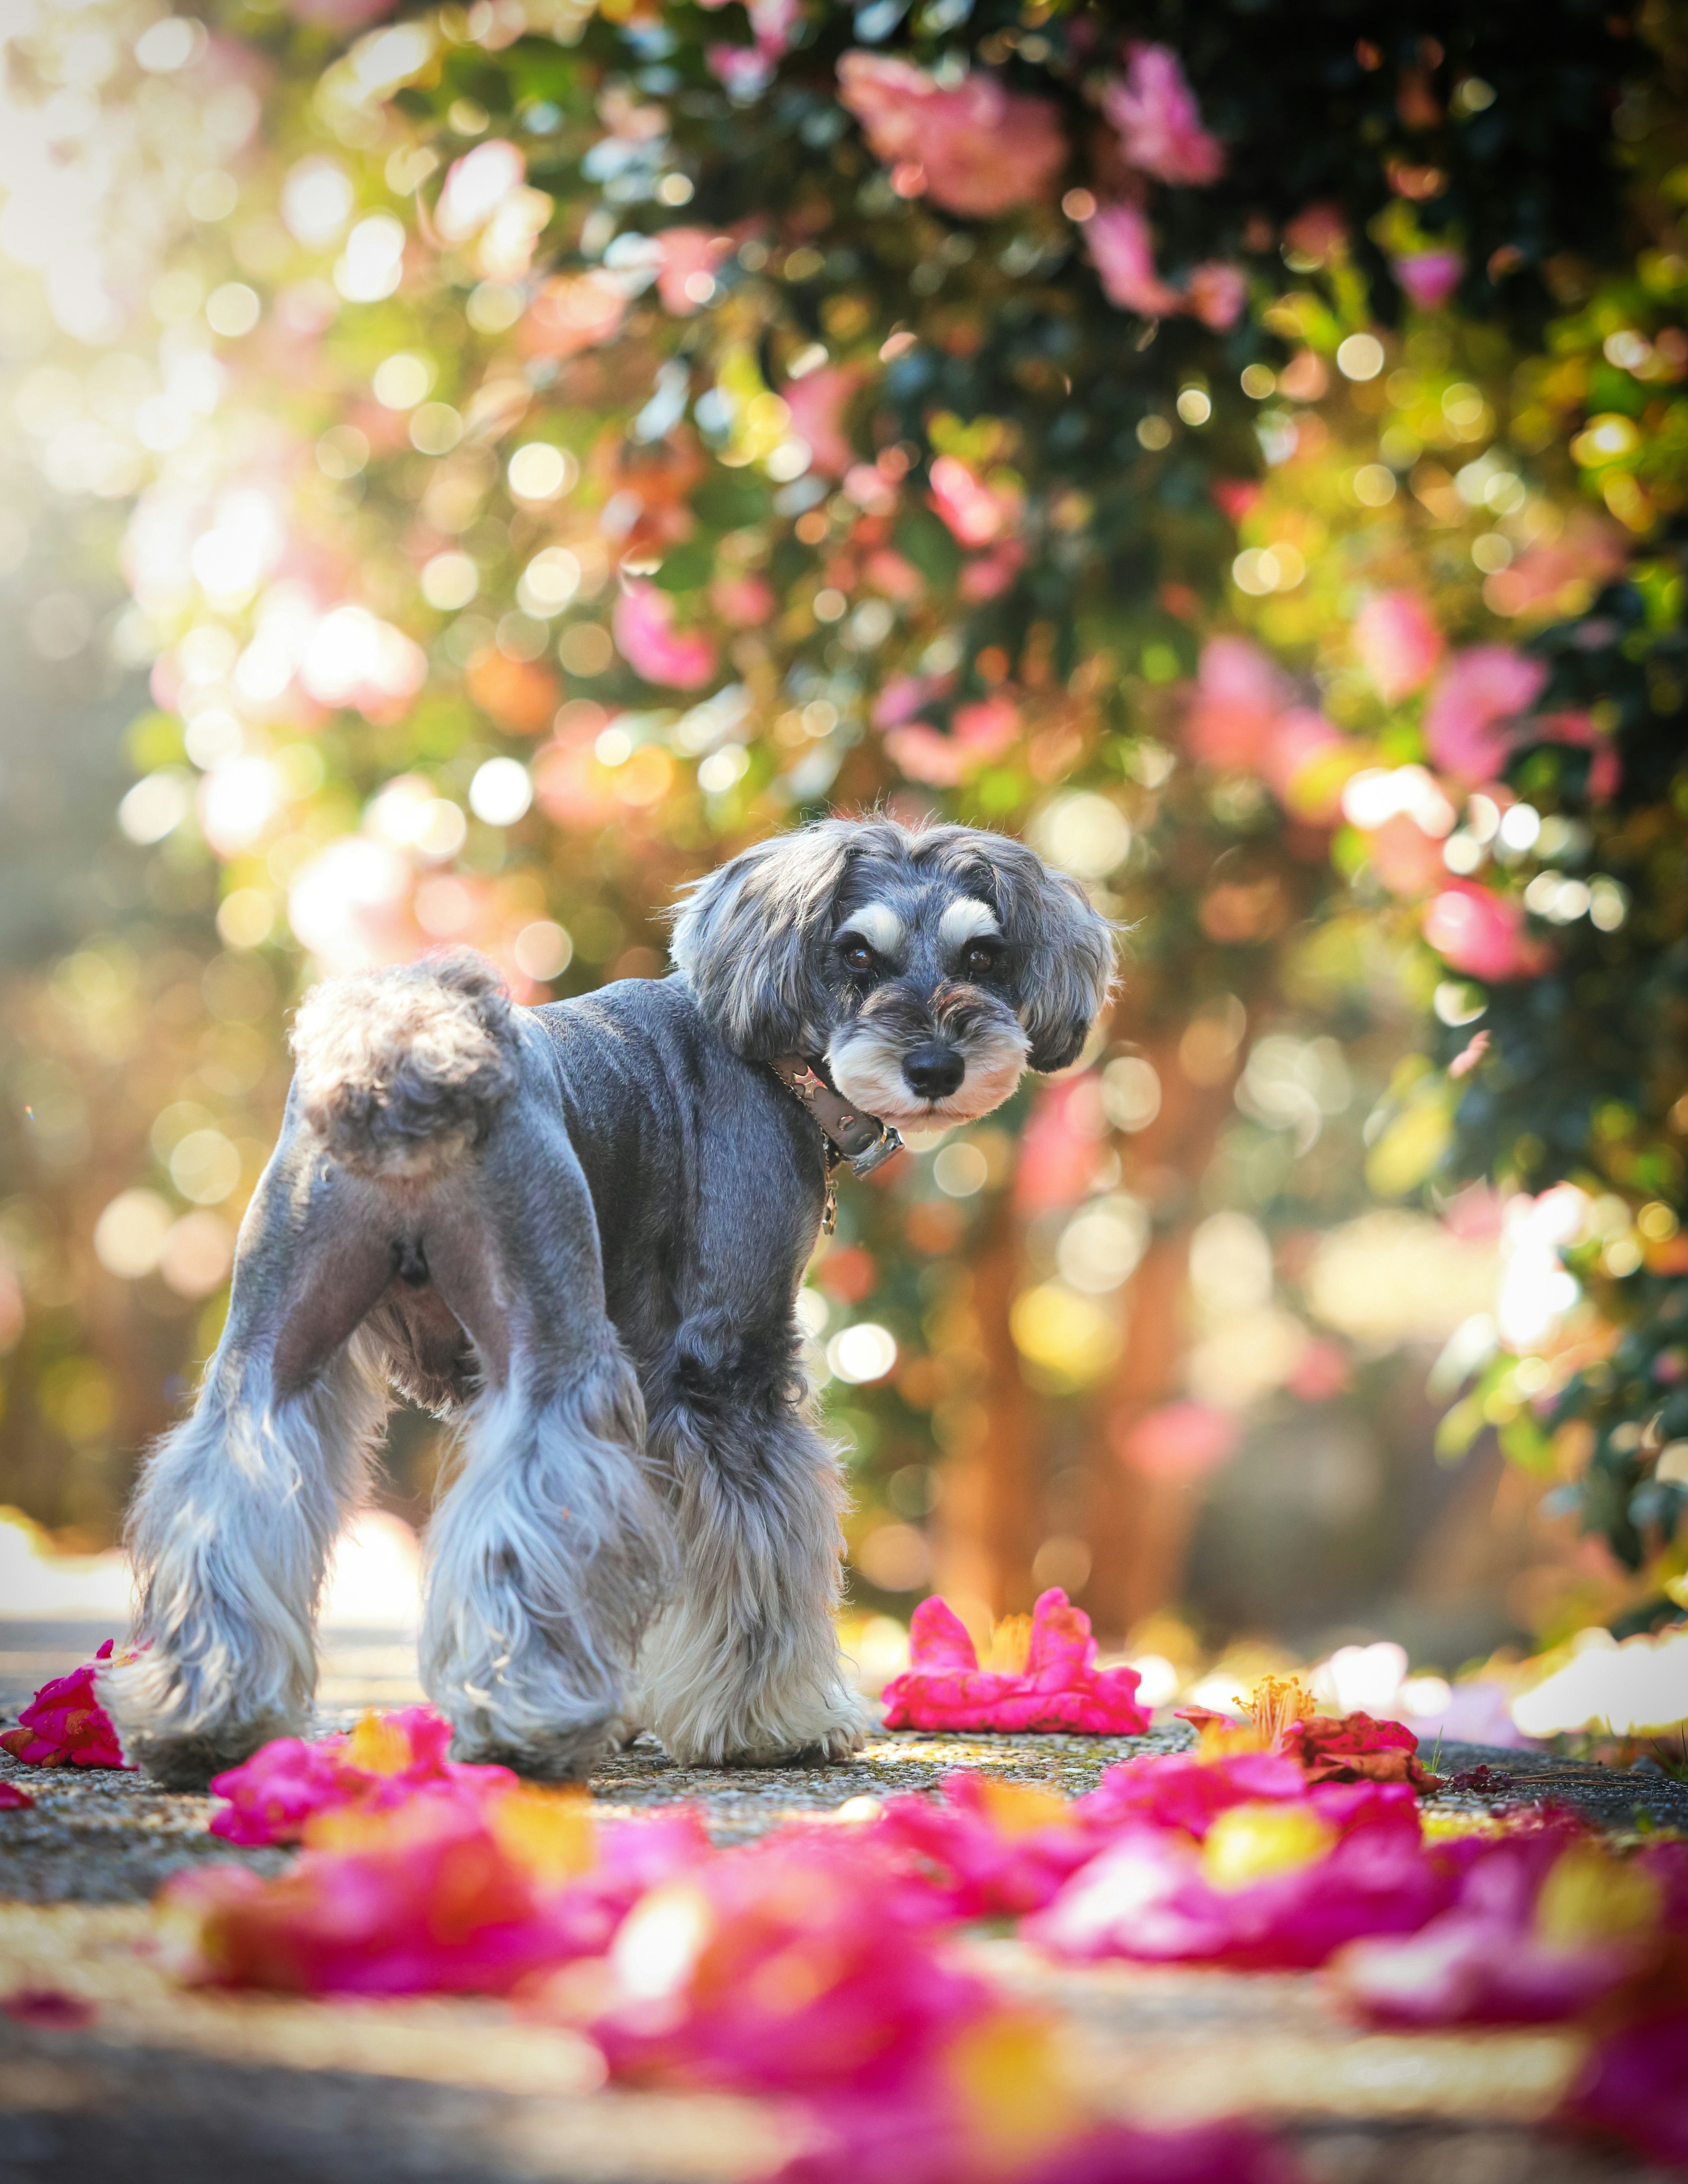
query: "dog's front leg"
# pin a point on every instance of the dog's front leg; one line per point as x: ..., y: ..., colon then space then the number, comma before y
x: 549, y: 1552
x: 743, y: 1669
x: 240, y: 1504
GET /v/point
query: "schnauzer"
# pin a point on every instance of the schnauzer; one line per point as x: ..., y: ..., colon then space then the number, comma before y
x: 582, y: 1227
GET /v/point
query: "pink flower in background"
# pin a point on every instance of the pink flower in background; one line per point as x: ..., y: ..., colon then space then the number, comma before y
x: 1179, y: 1440
x: 685, y: 281
x: 385, y: 1760
x: 1215, y: 294
x: 1122, y: 251
x: 999, y: 1848
x: 745, y: 601
x: 1545, y: 1922
x: 64, y: 1725
x: 1428, y: 277
x: 1589, y: 551
x: 1160, y: 127
x: 1059, y: 1146
x: 1579, y: 730
x: 973, y: 147
x: 642, y: 625
x: 1272, y: 1887
x: 978, y: 733
x: 904, y: 696
x: 572, y: 312
x: 1241, y: 716
x: 747, y: 70
x: 1478, y: 696
x: 475, y: 186
x: 817, y: 403
x: 1398, y: 642
x: 989, y: 574
x: 1059, y: 1688
x: 979, y: 511
x: 1480, y: 933
x: 1636, y: 2087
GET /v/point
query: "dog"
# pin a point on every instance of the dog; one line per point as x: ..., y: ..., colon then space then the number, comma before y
x: 580, y: 1230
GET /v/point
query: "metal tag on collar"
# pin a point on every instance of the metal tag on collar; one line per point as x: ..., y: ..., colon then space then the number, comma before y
x: 876, y: 1154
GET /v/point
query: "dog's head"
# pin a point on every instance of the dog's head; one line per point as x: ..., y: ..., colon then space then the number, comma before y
x: 929, y: 968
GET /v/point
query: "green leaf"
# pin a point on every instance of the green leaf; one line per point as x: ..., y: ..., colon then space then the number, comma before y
x: 688, y: 566
x: 930, y: 545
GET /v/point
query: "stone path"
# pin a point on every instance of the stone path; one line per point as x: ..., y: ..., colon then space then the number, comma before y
x: 157, y: 2086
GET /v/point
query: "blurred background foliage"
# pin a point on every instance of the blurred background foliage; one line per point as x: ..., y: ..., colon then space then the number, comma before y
x: 470, y: 469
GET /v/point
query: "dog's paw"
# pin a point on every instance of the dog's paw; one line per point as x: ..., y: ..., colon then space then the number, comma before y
x: 189, y: 1762
x: 832, y: 1728
x: 567, y: 1755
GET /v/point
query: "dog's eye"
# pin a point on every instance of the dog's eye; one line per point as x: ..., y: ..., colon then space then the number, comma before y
x: 858, y: 955
x: 979, y: 961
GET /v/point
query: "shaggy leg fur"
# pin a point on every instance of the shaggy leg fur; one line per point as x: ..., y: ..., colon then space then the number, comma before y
x: 549, y: 1553
x: 232, y: 1530
x: 744, y: 1667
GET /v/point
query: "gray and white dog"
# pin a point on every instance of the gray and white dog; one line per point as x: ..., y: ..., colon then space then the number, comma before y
x: 583, y: 1227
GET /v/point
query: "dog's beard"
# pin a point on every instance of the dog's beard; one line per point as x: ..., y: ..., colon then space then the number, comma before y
x: 867, y: 1065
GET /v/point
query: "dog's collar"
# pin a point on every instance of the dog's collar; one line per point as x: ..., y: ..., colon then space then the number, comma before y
x: 863, y: 1140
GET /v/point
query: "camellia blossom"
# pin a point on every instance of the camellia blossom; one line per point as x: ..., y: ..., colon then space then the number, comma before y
x: 440, y: 1894
x: 387, y: 1759
x: 65, y: 1726
x: 642, y: 625
x: 1122, y: 251
x: 1160, y: 127
x: 999, y: 1848
x: 1635, y: 2087
x: 574, y: 311
x: 685, y: 278
x: 1282, y: 1718
x: 1398, y: 642
x: 1547, y: 1922
x: 971, y: 147
x: 1243, y: 715
x: 978, y: 733
x: 1272, y: 1885
x: 817, y: 403
x: 1480, y: 933
x: 1428, y: 277
x: 1058, y: 1687
x: 978, y: 510
x: 1479, y: 693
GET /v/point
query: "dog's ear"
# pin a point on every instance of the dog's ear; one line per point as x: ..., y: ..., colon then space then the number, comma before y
x: 750, y: 939
x: 1064, y: 951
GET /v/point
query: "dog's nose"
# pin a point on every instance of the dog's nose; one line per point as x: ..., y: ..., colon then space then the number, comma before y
x: 933, y: 1071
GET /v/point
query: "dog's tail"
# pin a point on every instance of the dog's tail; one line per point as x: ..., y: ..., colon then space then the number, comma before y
x: 400, y: 1071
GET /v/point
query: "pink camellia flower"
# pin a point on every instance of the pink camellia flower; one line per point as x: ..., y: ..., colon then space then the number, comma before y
x: 1122, y: 251
x: 1428, y: 277
x: 1579, y: 730
x: 1468, y: 716
x: 1480, y: 933
x: 746, y: 600
x: 998, y: 1849
x: 1179, y: 1440
x: 807, y: 1963
x: 385, y: 1760
x: 973, y: 146
x: 1545, y: 1922
x: 817, y: 403
x: 978, y: 510
x: 747, y: 70
x: 685, y: 279
x: 905, y: 695
x: 1185, y: 1792
x: 642, y: 625
x: 1059, y: 1686
x: 574, y: 311
x: 1399, y: 645
x: 1273, y: 1885
x: 1636, y: 2087
x: 15, y: 1800
x: 437, y: 1896
x: 978, y: 734
x: 1242, y: 716
x: 65, y: 1726
x: 1215, y: 294
x: 1160, y: 128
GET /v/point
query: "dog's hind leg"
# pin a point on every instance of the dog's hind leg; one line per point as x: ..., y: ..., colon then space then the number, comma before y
x: 240, y: 1505
x: 743, y: 1669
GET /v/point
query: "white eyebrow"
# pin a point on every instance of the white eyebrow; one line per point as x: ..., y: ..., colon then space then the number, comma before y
x: 966, y: 920
x: 879, y: 926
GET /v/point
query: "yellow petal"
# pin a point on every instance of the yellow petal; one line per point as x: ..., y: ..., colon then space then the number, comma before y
x: 379, y: 1745
x: 1589, y: 1897
x: 1256, y: 1842
x: 1016, y: 1808
x: 550, y: 1831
